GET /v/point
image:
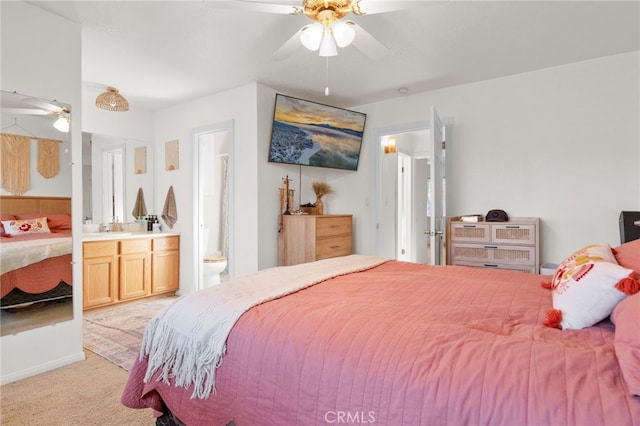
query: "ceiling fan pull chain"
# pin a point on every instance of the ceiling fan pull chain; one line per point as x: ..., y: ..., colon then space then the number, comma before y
x: 326, y: 86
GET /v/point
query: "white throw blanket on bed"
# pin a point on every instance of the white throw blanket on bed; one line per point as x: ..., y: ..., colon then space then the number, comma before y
x: 18, y: 254
x: 187, y: 339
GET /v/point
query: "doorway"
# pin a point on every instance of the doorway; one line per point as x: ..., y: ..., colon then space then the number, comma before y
x: 213, y: 196
x: 410, y: 195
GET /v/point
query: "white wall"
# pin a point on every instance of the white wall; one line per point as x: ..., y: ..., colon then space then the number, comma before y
x: 135, y: 124
x: 513, y: 125
x: 32, y: 67
x: 562, y: 144
x: 237, y: 105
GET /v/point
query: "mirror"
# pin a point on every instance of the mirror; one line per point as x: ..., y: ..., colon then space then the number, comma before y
x: 36, y: 289
x: 113, y: 169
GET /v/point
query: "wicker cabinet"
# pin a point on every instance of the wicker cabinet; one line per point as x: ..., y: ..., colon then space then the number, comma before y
x: 129, y: 268
x: 306, y: 238
x: 513, y: 245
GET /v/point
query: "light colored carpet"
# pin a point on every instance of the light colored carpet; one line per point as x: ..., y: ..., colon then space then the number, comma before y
x: 82, y: 394
x: 87, y: 392
x: 115, y: 333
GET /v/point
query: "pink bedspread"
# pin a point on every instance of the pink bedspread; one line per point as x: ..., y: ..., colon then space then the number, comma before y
x: 407, y: 344
x: 41, y: 276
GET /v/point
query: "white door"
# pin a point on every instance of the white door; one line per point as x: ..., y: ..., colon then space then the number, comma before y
x: 404, y: 244
x: 421, y: 213
x: 436, y: 190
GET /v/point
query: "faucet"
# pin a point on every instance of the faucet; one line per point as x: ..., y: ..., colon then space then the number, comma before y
x: 103, y: 228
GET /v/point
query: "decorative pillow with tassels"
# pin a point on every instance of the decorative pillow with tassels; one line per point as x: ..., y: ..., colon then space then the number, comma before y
x: 587, y: 286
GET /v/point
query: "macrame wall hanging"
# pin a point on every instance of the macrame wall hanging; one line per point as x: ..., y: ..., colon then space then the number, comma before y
x: 48, y: 157
x: 15, y: 163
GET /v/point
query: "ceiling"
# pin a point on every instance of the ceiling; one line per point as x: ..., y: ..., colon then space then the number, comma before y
x: 162, y: 53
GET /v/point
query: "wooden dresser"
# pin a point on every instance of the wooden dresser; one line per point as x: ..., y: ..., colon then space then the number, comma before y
x: 305, y: 238
x: 513, y: 245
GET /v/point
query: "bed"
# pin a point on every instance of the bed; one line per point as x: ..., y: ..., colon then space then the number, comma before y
x: 367, y: 340
x: 35, y: 250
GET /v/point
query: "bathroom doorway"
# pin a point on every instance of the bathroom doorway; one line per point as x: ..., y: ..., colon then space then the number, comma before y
x: 213, y: 196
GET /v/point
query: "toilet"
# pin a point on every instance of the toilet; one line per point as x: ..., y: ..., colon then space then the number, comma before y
x: 212, y: 267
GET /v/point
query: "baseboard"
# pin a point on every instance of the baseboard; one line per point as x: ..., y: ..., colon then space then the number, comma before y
x: 43, y: 368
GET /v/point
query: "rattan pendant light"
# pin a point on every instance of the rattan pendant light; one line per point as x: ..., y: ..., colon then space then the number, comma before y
x: 111, y: 100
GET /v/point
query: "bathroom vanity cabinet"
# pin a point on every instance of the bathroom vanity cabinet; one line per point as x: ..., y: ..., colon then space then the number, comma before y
x: 122, y: 269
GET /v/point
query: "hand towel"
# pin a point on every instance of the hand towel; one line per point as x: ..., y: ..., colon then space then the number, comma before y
x: 169, y: 212
x: 139, y: 208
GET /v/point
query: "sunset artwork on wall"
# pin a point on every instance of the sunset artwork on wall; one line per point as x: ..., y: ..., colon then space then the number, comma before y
x: 171, y: 157
x: 140, y: 160
x: 311, y: 134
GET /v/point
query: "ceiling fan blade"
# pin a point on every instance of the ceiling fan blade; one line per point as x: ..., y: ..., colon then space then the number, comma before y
x: 24, y: 111
x: 367, y: 43
x: 289, y: 46
x: 293, y: 8
x: 40, y: 103
x: 371, y: 7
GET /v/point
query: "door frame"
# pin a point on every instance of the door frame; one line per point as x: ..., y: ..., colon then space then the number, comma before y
x: 376, y: 176
x: 377, y: 153
x: 224, y: 126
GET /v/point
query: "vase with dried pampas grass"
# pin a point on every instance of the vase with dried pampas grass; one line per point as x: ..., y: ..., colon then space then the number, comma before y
x: 321, y: 189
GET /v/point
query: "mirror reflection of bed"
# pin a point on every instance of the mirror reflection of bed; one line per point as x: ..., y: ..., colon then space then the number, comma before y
x: 36, y: 289
x: 36, y: 183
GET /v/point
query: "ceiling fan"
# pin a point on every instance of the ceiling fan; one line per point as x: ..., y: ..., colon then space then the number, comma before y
x: 42, y: 107
x: 329, y: 29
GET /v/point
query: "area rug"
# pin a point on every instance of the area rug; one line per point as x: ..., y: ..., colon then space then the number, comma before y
x: 116, y: 333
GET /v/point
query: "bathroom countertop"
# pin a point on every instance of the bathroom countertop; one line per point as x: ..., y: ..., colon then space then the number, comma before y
x: 100, y: 236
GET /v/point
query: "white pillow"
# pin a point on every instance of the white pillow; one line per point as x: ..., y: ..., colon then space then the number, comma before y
x: 26, y: 226
x: 587, y: 286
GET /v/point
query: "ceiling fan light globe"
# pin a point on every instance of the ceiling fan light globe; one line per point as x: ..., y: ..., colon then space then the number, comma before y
x: 62, y: 124
x: 343, y: 33
x: 312, y: 36
x: 328, y: 45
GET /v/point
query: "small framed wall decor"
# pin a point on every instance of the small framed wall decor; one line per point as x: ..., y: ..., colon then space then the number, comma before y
x: 140, y: 160
x: 171, y: 157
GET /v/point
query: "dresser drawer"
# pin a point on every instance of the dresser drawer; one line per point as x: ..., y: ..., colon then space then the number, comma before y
x: 493, y: 254
x: 513, y: 234
x: 166, y: 243
x: 473, y: 232
x: 333, y: 247
x: 332, y: 226
x: 135, y: 245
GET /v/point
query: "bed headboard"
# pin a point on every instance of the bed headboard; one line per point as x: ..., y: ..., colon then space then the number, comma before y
x: 19, y: 204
